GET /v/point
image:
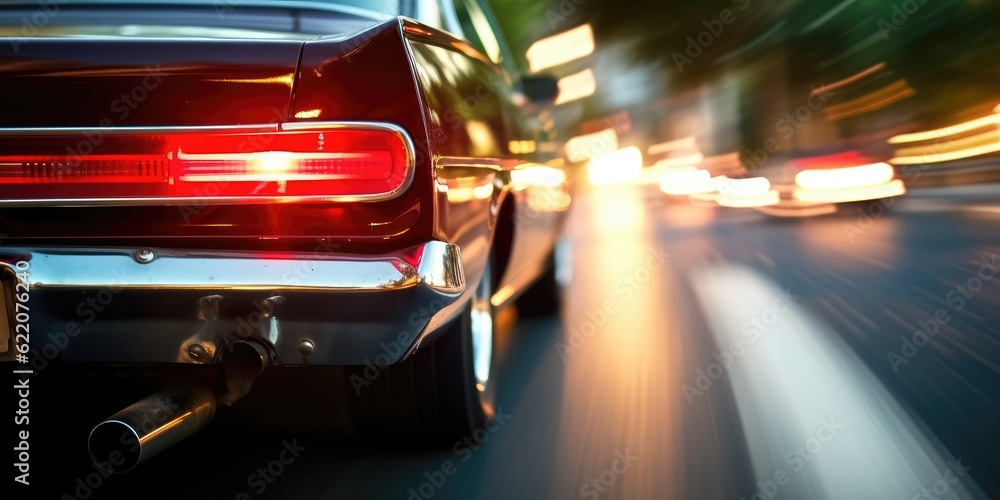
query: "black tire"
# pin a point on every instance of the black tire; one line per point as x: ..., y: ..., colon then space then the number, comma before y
x: 544, y: 297
x: 432, y: 396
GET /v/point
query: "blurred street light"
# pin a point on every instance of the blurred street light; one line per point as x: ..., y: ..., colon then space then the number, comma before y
x: 577, y: 86
x: 559, y: 49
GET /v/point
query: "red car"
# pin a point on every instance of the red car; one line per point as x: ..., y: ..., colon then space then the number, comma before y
x: 224, y: 188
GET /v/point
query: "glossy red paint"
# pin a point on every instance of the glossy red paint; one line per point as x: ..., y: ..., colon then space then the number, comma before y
x: 146, y: 82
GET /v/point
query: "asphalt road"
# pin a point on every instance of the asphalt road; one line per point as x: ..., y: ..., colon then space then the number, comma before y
x: 702, y: 353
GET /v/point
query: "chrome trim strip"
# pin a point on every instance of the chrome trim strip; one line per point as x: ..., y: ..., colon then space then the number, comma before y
x: 222, y: 200
x: 439, y: 268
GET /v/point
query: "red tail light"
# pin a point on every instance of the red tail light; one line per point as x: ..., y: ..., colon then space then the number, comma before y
x: 337, y: 163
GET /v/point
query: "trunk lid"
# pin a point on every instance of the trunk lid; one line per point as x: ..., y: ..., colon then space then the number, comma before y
x: 116, y: 82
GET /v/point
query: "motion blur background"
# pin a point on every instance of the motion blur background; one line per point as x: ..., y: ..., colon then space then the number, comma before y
x: 734, y: 74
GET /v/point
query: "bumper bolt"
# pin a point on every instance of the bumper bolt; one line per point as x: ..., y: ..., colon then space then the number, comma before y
x: 145, y: 256
x: 306, y: 347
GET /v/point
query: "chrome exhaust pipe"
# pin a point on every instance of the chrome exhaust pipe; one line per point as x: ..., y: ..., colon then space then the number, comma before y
x: 149, y: 426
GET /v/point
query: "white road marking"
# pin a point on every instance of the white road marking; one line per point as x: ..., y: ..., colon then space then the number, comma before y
x: 798, y: 375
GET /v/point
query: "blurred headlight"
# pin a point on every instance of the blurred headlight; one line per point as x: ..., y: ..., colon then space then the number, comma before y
x: 685, y: 181
x: 845, y: 178
x: 622, y: 166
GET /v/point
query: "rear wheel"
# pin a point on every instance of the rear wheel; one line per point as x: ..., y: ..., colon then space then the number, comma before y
x: 446, y: 390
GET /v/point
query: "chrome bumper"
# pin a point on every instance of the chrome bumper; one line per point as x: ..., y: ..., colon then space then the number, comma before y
x: 168, y: 306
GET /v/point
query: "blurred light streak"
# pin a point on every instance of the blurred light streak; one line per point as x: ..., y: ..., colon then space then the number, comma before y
x: 650, y: 176
x: 888, y: 190
x: 885, y: 96
x: 537, y: 176
x: 689, y: 143
x: 621, y: 122
x: 976, y: 145
x: 769, y: 198
x: 845, y: 178
x: 986, y: 121
x: 843, y: 55
x: 681, y: 161
x: 725, y: 164
x: 796, y: 375
x: 747, y: 47
x: 559, y: 49
x: 839, y: 160
x: 742, y: 188
x: 466, y: 189
x: 286, y: 79
x: 685, y: 181
x: 622, y: 166
x: 942, y: 157
x: 790, y: 210
x: 830, y: 14
x: 848, y: 80
x: 577, y: 86
x: 585, y: 147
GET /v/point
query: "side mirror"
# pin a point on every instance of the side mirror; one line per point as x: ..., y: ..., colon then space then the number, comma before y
x: 540, y: 90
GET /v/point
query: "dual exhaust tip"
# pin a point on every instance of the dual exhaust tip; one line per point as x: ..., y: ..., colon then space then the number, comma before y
x: 157, y: 422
